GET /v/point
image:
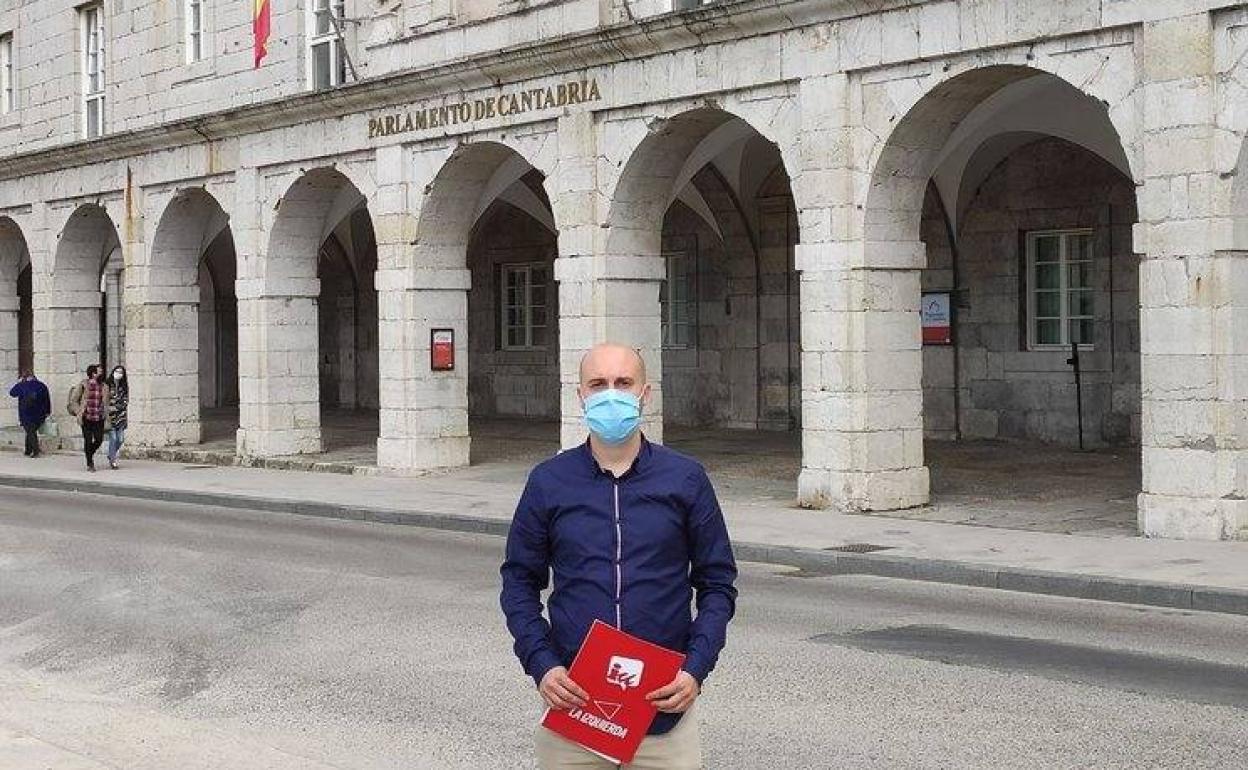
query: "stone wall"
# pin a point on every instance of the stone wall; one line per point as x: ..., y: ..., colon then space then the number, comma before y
x: 1005, y: 390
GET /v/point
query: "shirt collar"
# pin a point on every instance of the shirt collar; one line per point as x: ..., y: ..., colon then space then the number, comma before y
x: 639, y: 462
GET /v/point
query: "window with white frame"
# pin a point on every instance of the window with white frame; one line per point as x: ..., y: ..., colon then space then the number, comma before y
x: 326, y: 57
x: 676, y: 300
x: 524, y: 316
x: 194, y: 31
x: 93, y: 62
x: 1060, y: 299
x: 8, y: 93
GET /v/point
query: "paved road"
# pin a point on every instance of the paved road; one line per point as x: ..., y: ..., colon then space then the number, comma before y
x: 148, y: 635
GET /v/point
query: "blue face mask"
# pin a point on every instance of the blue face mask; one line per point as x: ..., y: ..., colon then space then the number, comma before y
x: 613, y: 415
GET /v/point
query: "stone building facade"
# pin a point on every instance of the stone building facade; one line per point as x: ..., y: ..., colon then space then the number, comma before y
x: 757, y: 194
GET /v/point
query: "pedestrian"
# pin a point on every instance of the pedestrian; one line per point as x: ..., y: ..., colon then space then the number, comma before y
x: 632, y: 532
x: 34, y: 404
x: 88, y: 401
x: 118, y: 401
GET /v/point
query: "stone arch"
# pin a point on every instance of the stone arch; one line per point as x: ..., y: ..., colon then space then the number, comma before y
x: 468, y: 182
x: 668, y: 157
x: 14, y: 263
x: 902, y: 164
x: 280, y: 309
x: 425, y: 419
x: 166, y: 315
x: 660, y: 163
x: 69, y: 322
x: 307, y: 214
x: 948, y: 138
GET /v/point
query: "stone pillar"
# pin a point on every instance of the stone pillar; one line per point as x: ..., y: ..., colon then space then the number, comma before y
x: 1193, y: 297
x: 163, y: 362
x: 114, y: 315
x: 602, y: 296
x: 862, y: 397
x: 278, y: 383
x: 424, y: 414
x: 67, y: 341
x: 348, y: 370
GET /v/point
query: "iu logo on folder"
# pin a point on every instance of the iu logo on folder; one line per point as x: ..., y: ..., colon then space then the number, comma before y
x: 616, y: 670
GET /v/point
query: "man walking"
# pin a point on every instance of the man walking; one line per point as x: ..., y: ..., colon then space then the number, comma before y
x: 34, y: 404
x: 88, y: 401
x: 632, y: 532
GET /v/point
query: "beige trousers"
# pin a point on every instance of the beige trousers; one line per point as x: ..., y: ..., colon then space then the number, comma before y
x: 678, y: 749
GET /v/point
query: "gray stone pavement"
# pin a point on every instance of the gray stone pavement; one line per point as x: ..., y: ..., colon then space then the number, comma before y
x: 1119, y: 567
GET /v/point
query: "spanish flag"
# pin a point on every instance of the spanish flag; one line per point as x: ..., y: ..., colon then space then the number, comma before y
x: 260, y: 28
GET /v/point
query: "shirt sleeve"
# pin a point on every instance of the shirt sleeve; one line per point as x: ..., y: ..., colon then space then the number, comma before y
x: 713, y: 571
x: 526, y: 573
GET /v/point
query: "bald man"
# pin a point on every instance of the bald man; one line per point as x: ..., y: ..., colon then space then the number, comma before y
x: 632, y: 532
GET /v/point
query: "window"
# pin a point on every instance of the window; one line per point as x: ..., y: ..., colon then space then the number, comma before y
x: 676, y: 300
x: 524, y: 306
x: 8, y: 99
x: 328, y: 62
x: 194, y: 31
x: 93, y: 70
x: 1060, y: 300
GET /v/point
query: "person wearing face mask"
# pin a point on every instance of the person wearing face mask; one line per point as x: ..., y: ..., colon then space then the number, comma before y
x: 118, y: 403
x: 88, y: 401
x: 633, y: 534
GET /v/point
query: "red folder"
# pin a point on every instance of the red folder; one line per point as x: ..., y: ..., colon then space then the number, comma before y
x: 616, y: 670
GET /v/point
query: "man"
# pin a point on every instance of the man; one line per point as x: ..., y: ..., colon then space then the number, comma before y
x: 631, y: 531
x: 88, y: 401
x: 34, y: 404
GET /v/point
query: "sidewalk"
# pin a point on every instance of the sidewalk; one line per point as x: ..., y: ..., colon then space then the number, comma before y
x: 1185, y: 574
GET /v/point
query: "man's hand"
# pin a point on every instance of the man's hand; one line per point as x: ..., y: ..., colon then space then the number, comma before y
x: 676, y: 697
x: 559, y: 691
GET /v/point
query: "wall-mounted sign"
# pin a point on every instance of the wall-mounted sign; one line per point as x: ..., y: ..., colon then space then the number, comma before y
x: 937, y: 319
x: 442, y: 350
x: 503, y: 105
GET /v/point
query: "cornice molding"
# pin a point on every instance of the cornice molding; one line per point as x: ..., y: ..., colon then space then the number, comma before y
x: 602, y: 46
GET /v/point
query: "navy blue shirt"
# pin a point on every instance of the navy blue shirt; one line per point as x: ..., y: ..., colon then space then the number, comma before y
x: 33, y: 402
x: 632, y: 552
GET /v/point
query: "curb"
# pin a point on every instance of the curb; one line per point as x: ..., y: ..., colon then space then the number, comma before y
x: 1070, y: 585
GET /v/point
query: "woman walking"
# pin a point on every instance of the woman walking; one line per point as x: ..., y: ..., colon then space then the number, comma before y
x: 118, y: 401
x: 88, y: 401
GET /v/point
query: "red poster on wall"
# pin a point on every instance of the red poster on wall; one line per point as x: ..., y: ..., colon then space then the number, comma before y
x: 442, y: 350
x: 616, y: 670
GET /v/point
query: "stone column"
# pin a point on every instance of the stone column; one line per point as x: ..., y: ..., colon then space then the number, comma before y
x: 114, y: 316
x: 862, y: 397
x: 1193, y: 297
x: 348, y: 370
x: 67, y: 341
x: 423, y: 413
x: 163, y: 362
x: 602, y: 297
x: 278, y: 384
